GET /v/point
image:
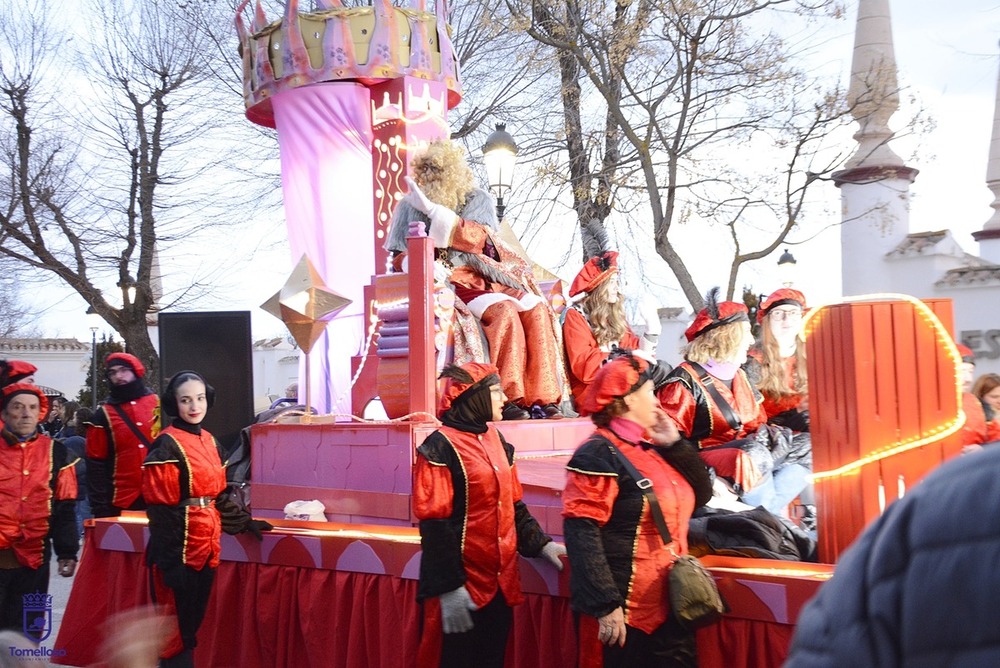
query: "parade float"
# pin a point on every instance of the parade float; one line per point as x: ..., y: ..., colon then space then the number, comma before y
x: 350, y: 91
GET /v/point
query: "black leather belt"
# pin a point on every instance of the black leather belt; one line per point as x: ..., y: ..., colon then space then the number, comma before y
x: 199, y: 501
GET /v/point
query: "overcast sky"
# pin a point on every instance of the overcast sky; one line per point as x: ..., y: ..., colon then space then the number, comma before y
x: 947, y: 53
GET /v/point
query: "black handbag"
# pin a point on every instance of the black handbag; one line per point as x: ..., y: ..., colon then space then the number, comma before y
x: 693, y: 596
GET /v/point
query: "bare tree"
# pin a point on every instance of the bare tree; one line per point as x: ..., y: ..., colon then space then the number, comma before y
x: 17, y: 318
x: 140, y: 156
x: 657, y: 98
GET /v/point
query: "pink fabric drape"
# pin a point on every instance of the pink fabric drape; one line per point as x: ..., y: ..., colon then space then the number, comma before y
x: 325, y: 136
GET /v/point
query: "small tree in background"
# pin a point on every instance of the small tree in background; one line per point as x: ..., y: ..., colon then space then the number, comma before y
x: 105, y: 347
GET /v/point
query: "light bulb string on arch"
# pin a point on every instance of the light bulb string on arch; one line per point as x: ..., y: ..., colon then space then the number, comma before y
x: 932, y: 435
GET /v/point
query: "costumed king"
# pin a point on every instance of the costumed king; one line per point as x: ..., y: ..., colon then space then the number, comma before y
x: 491, y: 281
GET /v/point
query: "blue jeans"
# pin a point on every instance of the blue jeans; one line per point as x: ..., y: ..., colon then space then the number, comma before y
x: 82, y: 513
x: 778, y: 489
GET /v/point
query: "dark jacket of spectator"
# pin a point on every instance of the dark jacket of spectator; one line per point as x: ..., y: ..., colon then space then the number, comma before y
x: 919, y: 586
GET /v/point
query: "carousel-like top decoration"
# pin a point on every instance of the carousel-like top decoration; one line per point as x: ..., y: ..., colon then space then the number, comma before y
x: 335, y: 43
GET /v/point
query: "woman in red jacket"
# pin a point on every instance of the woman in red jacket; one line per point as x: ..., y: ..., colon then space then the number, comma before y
x: 619, y: 563
x: 596, y: 324
x: 182, y: 480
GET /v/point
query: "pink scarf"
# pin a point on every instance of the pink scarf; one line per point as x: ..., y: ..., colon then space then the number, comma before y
x: 627, y: 430
x: 721, y: 370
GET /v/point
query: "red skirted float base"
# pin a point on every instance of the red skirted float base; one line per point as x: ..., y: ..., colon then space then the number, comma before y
x: 319, y: 594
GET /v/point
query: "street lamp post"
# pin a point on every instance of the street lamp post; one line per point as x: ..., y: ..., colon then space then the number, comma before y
x: 787, y: 268
x: 127, y: 285
x: 500, y: 156
x: 94, y: 321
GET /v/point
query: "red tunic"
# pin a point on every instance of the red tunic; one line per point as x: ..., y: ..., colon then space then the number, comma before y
x: 112, y: 441
x: 584, y: 356
x: 184, y: 465
x: 34, y: 475
x: 698, y: 419
x: 489, y: 537
x: 631, y: 542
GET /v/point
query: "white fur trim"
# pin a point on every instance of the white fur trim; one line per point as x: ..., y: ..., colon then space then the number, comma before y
x: 442, y: 224
x: 479, y: 305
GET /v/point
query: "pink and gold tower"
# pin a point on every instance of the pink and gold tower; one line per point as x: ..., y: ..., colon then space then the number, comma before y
x: 349, y: 90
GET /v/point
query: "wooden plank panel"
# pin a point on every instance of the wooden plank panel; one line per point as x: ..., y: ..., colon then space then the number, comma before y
x: 879, y: 377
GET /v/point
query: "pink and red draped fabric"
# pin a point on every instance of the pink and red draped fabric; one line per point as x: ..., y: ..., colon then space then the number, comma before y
x: 325, y: 136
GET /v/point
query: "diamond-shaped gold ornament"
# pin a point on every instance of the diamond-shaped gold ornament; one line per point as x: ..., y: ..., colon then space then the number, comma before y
x: 305, y: 304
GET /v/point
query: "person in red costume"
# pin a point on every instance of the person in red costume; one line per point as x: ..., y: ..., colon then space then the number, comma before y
x: 119, y: 437
x: 618, y: 563
x: 16, y: 371
x: 777, y: 365
x: 982, y: 423
x: 781, y: 356
x: 473, y: 524
x: 713, y: 404
x: 495, y: 284
x: 596, y: 323
x: 37, y: 508
x: 183, y: 479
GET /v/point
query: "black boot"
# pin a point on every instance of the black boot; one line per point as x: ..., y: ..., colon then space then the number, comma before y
x: 512, y: 411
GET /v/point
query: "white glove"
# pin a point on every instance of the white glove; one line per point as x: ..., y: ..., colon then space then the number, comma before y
x: 455, y: 607
x: 552, y: 551
x: 646, y: 323
x: 442, y: 218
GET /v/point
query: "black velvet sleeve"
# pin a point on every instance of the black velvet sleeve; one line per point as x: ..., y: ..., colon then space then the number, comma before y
x: 98, y: 482
x: 591, y: 584
x: 441, y: 566
x: 684, y: 457
x: 65, y: 541
x: 530, y: 537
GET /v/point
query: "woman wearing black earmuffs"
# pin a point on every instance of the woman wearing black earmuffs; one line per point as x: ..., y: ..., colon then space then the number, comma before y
x: 182, y: 480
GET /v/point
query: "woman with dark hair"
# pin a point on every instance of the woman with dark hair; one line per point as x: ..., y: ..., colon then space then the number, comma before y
x: 182, y: 481
x: 473, y: 524
x: 619, y: 563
